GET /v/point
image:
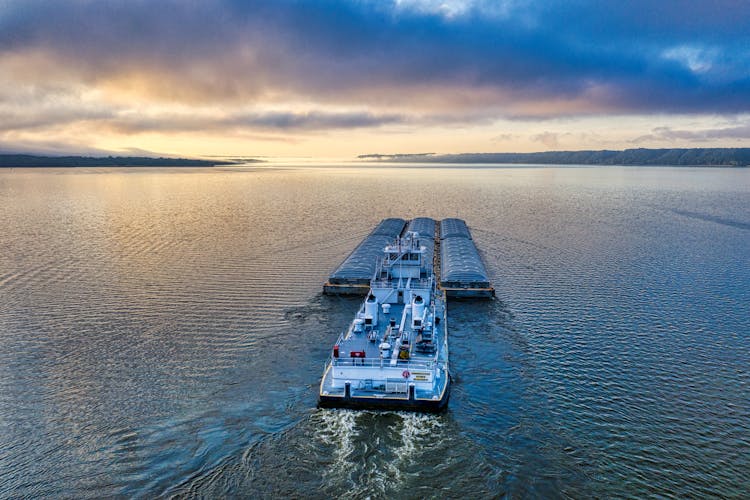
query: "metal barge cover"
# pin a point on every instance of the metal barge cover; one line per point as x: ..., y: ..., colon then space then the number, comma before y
x: 353, y: 276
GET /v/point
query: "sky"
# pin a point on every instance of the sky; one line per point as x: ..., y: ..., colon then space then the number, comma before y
x: 339, y: 78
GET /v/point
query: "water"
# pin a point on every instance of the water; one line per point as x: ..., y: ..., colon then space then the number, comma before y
x: 163, y: 333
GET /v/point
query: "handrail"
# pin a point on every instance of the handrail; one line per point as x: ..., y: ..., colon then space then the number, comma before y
x: 386, y: 363
x: 393, y: 283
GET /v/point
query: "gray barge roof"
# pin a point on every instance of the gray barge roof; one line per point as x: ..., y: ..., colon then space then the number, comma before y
x: 461, y: 263
x: 462, y: 272
x: 424, y: 226
x: 389, y: 227
x: 426, y: 229
x: 360, y: 265
x: 454, y: 227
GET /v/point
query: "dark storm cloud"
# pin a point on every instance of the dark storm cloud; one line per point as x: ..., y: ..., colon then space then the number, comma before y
x: 637, y: 56
x: 271, y: 121
x: 312, y: 120
x: 127, y: 122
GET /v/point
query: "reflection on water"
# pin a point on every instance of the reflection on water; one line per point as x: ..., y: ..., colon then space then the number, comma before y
x: 162, y: 332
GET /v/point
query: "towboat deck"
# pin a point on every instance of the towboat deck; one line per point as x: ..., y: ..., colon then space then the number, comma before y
x: 383, y: 378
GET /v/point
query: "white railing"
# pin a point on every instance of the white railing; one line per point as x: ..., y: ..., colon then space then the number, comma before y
x: 416, y: 283
x: 385, y: 363
x: 396, y: 386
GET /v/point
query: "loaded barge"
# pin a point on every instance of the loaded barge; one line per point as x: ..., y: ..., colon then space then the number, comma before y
x: 450, y: 249
x: 394, y: 354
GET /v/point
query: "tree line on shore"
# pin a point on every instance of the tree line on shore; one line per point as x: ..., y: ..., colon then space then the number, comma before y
x: 19, y: 161
x: 730, y: 157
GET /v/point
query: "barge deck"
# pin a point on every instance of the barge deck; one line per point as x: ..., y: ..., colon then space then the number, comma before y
x: 457, y: 263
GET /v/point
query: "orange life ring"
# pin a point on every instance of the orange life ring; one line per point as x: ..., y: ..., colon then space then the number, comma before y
x: 406, y: 374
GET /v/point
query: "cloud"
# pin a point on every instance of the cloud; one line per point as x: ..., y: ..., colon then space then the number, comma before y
x: 457, y: 8
x: 273, y: 121
x: 549, y: 139
x: 669, y: 134
x: 238, y: 50
x: 314, y: 120
x: 55, y: 147
x: 14, y: 120
x: 286, y: 67
x: 506, y: 137
x: 696, y: 59
x: 127, y: 121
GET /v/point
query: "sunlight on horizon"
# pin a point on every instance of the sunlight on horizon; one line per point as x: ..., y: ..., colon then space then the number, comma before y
x: 352, y: 78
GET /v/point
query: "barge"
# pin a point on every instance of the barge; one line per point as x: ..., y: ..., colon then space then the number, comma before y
x: 457, y: 263
x: 462, y: 272
x: 353, y: 276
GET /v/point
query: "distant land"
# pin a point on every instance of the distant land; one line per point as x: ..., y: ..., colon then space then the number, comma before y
x: 715, y: 157
x: 18, y: 161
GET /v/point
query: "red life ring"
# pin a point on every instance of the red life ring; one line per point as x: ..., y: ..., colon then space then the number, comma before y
x: 406, y: 374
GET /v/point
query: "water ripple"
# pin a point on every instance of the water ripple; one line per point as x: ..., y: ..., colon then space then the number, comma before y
x: 163, y: 333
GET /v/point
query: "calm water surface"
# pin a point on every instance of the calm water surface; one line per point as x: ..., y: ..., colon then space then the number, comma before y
x: 162, y: 332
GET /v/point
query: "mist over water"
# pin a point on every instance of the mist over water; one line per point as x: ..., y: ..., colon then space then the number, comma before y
x: 162, y: 332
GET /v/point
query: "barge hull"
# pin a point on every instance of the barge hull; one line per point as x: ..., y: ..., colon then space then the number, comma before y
x: 385, y: 403
x: 462, y: 270
x: 469, y: 293
x: 346, y: 289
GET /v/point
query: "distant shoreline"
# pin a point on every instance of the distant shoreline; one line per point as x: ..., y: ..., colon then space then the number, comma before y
x: 210, y: 165
x: 34, y: 161
x: 680, y: 157
x: 695, y: 157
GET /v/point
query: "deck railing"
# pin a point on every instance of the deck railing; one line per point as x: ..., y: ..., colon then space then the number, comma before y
x: 385, y: 363
x: 416, y: 283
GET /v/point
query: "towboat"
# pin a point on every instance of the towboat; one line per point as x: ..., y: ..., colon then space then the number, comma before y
x: 394, y: 353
